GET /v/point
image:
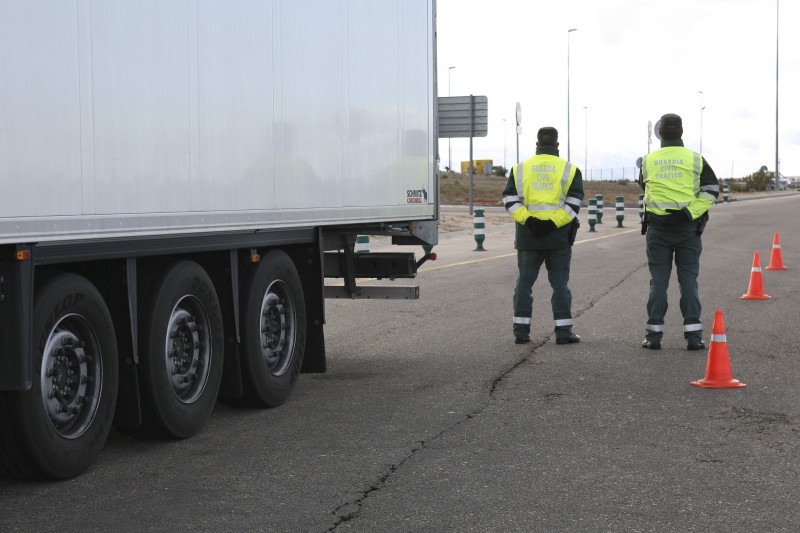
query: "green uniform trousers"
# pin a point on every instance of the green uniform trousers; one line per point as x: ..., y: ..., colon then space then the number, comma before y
x: 686, y: 246
x: 557, y: 262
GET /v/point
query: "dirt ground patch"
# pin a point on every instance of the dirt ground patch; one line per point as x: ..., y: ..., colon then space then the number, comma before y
x: 448, y: 223
x: 488, y: 190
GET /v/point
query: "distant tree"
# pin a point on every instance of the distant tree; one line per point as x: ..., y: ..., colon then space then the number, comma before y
x: 738, y: 186
x: 759, y: 181
x: 500, y: 170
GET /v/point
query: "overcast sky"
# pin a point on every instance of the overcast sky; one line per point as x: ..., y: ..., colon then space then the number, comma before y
x: 630, y: 61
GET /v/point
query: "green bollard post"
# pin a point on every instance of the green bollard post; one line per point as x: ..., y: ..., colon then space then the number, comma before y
x: 620, y: 210
x: 480, y: 230
x: 592, y: 214
x: 641, y: 208
x: 362, y: 244
x: 599, y: 208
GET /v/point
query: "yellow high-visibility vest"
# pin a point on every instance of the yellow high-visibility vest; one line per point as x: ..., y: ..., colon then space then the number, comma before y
x: 542, y: 186
x: 672, y: 178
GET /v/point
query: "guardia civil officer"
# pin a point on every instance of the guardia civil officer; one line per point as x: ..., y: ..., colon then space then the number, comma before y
x: 543, y: 195
x: 679, y: 187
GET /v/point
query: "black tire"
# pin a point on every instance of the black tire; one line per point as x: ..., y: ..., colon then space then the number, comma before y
x: 273, y: 330
x: 180, y: 366
x: 57, y: 428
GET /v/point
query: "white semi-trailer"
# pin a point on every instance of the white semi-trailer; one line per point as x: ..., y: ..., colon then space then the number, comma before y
x: 177, y: 178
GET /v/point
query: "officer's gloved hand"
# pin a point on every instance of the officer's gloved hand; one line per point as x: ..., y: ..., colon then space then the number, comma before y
x: 676, y: 217
x: 540, y: 228
x: 546, y: 227
x: 532, y: 223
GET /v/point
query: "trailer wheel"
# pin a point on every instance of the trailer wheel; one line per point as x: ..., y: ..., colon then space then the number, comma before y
x: 57, y: 428
x: 182, y: 342
x: 273, y: 330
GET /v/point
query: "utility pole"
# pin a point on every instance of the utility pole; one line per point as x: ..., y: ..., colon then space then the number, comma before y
x: 586, y: 143
x: 702, y: 107
x: 777, y: 28
x: 504, y: 145
x: 449, y: 145
x: 568, y: 32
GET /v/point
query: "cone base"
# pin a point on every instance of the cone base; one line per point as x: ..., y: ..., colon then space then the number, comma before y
x: 718, y: 384
x: 776, y: 268
x: 755, y: 297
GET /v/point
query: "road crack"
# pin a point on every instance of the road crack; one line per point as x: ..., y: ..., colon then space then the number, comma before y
x: 352, y: 509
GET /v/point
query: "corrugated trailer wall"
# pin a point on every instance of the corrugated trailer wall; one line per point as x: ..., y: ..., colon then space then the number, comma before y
x: 122, y: 118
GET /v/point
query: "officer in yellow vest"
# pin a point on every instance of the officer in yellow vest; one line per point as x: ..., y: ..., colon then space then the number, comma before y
x: 543, y: 195
x: 679, y: 187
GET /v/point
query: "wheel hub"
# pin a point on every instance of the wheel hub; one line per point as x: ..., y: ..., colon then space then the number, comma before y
x: 277, y: 328
x: 69, y: 378
x: 187, y: 350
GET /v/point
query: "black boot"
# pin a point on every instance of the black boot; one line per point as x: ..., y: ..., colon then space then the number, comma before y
x: 571, y: 339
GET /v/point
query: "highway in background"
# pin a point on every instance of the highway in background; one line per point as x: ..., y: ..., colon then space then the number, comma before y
x: 430, y: 418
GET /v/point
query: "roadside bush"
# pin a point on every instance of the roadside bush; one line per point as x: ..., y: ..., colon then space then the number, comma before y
x: 759, y: 181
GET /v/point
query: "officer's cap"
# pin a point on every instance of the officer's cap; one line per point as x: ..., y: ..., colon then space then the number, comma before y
x: 671, y: 127
x: 547, y: 136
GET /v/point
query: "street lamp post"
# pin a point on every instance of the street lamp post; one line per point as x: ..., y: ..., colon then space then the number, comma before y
x: 777, y: 27
x: 702, y: 107
x: 568, y: 32
x: 449, y: 146
x: 518, y: 113
x: 586, y: 143
x: 504, y: 144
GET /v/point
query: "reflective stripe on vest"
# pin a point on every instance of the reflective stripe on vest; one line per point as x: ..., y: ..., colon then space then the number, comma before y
x: 672, y: 178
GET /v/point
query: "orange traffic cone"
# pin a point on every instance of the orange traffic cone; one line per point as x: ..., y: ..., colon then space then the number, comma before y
x: 756, y: 289
x: 718, y: 367
x: 776, y: 261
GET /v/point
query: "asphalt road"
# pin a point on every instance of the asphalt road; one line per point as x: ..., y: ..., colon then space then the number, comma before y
x: 431, y: 419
